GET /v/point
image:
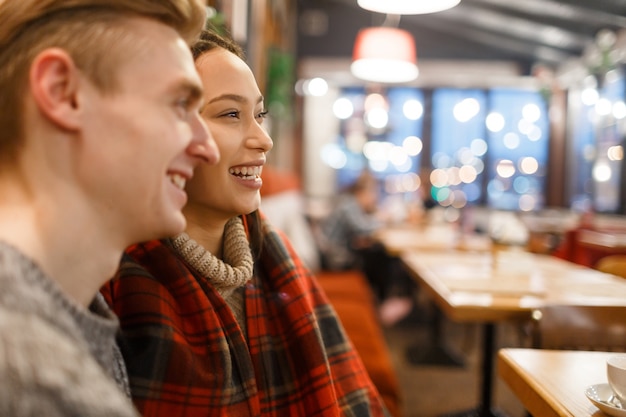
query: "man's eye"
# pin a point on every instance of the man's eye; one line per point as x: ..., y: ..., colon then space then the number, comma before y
x: 183, y: 106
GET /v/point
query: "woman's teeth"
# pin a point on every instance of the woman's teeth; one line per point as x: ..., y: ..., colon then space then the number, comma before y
x: 248, y: 173
x: 178, y: 180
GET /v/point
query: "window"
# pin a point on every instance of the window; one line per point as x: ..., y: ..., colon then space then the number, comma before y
x: 487, y: 147
x: 598, y: 145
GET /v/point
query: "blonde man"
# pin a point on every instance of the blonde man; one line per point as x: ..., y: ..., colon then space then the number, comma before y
x: 99, y: 131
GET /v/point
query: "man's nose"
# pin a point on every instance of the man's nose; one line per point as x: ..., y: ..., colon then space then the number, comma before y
x: 203, y: 144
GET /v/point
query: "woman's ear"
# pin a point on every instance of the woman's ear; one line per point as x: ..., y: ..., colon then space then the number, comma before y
x: 54, y: 80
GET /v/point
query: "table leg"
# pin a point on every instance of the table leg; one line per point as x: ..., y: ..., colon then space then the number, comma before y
x: 486, y: 388
x: 488, y: 359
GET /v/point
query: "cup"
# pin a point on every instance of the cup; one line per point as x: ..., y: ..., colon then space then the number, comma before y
x: 616, y: 375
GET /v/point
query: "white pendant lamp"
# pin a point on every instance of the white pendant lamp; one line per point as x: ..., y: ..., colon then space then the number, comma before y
x: 385, y: 55
x: 407, y: 6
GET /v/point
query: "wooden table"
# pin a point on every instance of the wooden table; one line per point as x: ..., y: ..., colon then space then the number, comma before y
x: 428, y: 238
x: 607, y: 241
x: 437, y: 237
x: 508, y: 284
x: 552, y: 383
x: 491, y: 287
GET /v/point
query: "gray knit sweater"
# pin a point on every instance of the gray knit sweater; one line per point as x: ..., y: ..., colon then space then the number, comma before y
x: 56, y: 357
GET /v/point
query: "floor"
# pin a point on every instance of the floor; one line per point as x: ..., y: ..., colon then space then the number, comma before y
x: 436, y: 390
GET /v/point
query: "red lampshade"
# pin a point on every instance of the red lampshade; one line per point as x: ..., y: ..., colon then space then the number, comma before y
x: 384, y: 54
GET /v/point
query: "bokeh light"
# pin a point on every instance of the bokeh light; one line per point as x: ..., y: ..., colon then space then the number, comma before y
x: 528, y: 165
x: 615, y: 153
x: 505, y: 168
x: 468, y: 174
x: 333, y: 156
x: 343, y: 108
x: 412, y: 145
x: 619, y: 110
x: 604, y: 107
x: 413, y: 109
x: 511, y: 140
x: 589, y: 96
x: 479, y: 147
x: 466, y: 109
x: 602, y: 171
x: 316, y: 87
x: 495, y: 122
x: 531, y: 112
x: 377, y: 118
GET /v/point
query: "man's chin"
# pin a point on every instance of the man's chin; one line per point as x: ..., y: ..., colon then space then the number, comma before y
x: 172, y: 226
x: 177, y: 226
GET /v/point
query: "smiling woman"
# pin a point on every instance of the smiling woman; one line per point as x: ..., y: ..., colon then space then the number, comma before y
x: 230, y: 295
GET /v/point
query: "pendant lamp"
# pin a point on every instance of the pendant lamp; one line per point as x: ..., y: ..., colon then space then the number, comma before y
x: 384, y: 54
x: 407, y: 6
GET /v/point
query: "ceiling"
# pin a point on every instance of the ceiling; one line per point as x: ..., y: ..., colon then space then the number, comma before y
x: 515, y: 33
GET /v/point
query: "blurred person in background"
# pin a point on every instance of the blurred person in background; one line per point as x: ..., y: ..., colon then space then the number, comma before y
x: 224, y: 319
x: 347, y: 241
x: 99, y: 132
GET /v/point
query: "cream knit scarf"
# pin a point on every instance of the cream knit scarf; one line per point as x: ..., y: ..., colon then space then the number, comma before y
x: 227, y: 275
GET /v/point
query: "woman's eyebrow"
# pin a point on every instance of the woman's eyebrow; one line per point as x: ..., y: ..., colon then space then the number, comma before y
x: 234, y: 97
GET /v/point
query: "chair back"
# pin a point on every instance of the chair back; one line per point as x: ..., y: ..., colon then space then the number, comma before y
x: 613, y: 264
x: 563, y: 327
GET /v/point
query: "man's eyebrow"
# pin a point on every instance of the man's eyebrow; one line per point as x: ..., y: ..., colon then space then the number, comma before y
x: 194, y: 90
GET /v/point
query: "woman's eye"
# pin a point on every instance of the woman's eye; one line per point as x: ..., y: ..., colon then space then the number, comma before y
x: 232, y: 114
x: 262, y: 115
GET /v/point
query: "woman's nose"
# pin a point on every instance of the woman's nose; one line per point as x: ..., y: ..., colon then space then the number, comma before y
x: 262, y: 138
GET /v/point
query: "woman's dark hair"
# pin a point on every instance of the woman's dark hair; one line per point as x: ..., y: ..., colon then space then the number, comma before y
x: 210, y: 39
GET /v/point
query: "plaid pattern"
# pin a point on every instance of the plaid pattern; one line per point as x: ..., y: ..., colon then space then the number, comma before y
x: 187, y: 356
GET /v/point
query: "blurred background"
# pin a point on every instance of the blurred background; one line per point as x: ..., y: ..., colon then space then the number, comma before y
x: 517, y: 105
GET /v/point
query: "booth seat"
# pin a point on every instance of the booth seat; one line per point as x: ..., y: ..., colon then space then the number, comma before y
x: 352, y: 298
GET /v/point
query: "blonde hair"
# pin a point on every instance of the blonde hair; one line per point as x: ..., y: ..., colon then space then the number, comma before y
x: 95, y: 33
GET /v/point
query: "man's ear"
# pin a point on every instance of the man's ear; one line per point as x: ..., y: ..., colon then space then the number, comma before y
x: 54, y: 80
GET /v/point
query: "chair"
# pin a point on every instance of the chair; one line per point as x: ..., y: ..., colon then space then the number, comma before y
x: 601, y: 328
x: 613, y: 264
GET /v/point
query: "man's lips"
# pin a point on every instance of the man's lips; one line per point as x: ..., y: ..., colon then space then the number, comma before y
x: 178, y: 180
